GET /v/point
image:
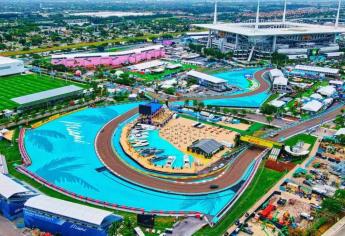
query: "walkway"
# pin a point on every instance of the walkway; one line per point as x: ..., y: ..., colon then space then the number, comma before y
x: 7, y: 228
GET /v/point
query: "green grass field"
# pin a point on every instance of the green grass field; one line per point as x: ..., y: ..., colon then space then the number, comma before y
x: 21, y: 85
x: 301, y: 137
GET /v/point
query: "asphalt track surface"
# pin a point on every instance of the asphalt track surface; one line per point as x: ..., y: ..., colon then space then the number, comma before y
x: 230, y: 176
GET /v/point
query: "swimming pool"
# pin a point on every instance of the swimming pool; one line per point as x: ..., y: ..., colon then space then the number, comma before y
x: 63, y: 153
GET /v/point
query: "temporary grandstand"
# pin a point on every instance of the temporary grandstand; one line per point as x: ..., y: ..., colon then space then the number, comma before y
x: 149, y: 110
x: 113, y: 59
x: 66, y: 218
x: 258, y: 40
x: 48, y: 96
x: 13, y: 195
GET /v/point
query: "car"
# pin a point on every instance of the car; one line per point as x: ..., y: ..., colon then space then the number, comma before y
x: 214, y: 186
x: 307, y: 182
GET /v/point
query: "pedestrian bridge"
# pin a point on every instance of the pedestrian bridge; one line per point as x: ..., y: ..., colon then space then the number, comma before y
x: 260, y: 142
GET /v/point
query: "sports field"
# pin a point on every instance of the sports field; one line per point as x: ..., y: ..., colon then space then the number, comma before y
x: 21, y: 85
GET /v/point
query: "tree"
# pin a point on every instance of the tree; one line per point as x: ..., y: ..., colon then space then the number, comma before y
x: 269, y: 119
x: 114, y: 229
x: 268, y: 109
x: 186, y: 102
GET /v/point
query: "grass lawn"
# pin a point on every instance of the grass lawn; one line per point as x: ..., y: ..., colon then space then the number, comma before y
x: 20, y: 85
x: 301, y: 137
x: 158, y: 76
x: 263, y: 181
x: 13, y: 158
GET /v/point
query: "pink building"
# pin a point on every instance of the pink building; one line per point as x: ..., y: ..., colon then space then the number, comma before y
x: 113, y: 59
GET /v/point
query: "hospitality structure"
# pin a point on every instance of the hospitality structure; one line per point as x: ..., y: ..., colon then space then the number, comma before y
x: 9, y: 66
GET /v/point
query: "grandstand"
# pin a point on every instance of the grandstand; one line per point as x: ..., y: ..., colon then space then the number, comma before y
x: 66, y: 218
x: 13, y: 195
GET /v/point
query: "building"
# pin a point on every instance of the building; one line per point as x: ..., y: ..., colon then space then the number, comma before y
x: 318, y: 70
x: 113, y: 59
x: 61, y: 217
x: 142, y: 67
x: 327, y: 91
x: 209, y: 81
x: 9, y: 66
x: 206, y: 147
x: 258, y: 40
x: 312, y: 107
x: 49, y: 96
x: 13, y: 195
x: 279, y: 82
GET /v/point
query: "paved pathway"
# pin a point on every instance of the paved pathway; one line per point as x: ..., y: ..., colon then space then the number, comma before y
x: 336, y: 230
x: 7, y: 228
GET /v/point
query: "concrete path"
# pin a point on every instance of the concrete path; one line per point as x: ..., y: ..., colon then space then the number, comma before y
x: 188, y: 227
x: 336, y: 230
x: 7, y: 228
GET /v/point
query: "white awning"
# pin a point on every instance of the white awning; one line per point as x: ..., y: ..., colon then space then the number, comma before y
x: 318, y: 69
x: 9, y: 187
x: 206, y: 77
x: 68, y: 209
x: 327, y: 90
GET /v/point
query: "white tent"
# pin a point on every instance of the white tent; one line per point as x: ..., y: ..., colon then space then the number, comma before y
x: 327, y: 90
x: 313, y: 106
x: 316, y: 96
x: 281, y: 80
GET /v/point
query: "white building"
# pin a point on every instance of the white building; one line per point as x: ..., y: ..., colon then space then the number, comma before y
x: 275, y: 73
x: 321, y: 70
x: 312, y: 106
x: 327, y: 90
x: 9, y: 66
x: 209, y: 81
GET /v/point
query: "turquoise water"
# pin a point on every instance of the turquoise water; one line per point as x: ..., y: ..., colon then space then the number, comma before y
x: 156, y: 141
x: 63, y: 153
x: 238, y: 78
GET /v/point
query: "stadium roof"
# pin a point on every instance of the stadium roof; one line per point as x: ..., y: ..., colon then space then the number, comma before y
x: 68, y: 209
x: 107, y: 54
x: 318, y: 69
x: 9, y: 187
x: 272, y: 28
x: 208, y: 146
x: 32, y: 98
x: 206, y: 77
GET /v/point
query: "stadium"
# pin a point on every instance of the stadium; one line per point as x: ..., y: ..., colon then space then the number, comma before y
x: 258, y: 40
